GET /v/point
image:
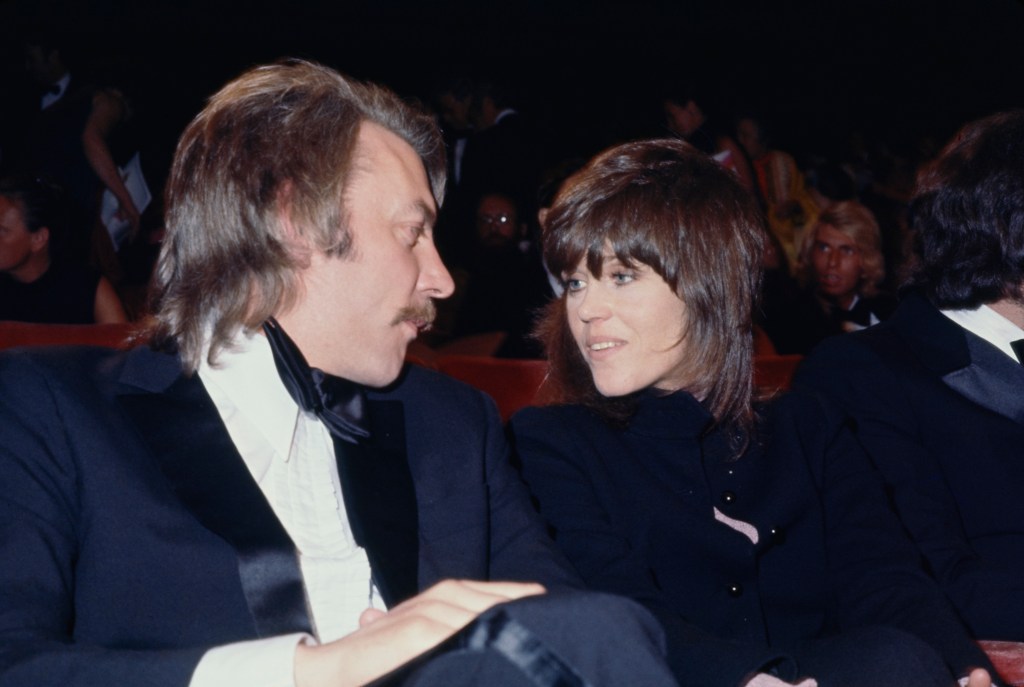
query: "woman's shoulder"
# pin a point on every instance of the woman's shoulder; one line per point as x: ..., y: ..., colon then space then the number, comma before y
x: 802, y: 412
x: 562, y: 418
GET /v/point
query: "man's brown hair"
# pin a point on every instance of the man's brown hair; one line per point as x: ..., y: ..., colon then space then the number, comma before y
x: 278, y: 140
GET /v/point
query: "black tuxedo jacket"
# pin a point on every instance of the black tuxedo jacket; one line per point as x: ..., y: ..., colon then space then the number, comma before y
x: 132, y: 537
x: 941, y: 412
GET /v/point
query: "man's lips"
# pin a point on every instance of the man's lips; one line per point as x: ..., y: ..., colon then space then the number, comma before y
x: 421, y: 317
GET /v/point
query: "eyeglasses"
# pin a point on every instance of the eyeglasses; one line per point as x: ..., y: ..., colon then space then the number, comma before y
x: 494, y: 220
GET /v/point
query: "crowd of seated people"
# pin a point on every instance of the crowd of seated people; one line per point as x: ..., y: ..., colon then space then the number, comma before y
x: 72, y: 125
x: 39, y: 280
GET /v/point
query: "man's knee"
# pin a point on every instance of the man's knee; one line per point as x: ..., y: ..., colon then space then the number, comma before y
x: 604, y: 637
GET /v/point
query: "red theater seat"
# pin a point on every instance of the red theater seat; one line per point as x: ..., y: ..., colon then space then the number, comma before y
x: 513, y: 384
x: 27, y: 334
x: 775, y: 372
x: 1008, y: 659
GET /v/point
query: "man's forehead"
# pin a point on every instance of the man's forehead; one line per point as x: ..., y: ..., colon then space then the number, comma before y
x: 374, y: 142
x: 379, y: 151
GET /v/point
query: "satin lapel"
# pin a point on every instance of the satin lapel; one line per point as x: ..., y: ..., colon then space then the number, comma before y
x: 183, y: 430
x: 991, y: 380
x: 966, y: 363
x: 380, y: 500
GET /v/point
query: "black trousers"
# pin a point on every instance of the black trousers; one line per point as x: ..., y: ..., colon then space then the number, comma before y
x: 562, y: 639
x: 872, y: 656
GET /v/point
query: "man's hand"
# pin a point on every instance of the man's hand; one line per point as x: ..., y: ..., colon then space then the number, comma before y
x: 386, y: 640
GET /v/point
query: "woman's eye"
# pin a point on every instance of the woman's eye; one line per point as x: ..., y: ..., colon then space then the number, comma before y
x: 573, y: 284
x: 623, y: 277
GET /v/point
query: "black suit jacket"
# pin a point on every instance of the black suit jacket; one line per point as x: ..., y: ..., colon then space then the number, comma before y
x: 132, y: 537
x: 633, y: 510
x: 941, y: 412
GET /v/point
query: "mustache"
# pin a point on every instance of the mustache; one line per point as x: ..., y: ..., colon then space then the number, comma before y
x: 421, y: 315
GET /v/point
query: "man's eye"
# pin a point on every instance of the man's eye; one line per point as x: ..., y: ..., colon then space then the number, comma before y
x: 416, y: 233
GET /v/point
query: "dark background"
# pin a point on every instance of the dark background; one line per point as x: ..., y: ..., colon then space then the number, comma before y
x: 906, y: 72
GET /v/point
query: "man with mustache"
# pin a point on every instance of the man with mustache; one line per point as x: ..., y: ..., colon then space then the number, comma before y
x: 266, y: 495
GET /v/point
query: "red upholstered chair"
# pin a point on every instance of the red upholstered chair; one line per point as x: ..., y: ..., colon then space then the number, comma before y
x: 1008, y: 659
x: 485, y: 344
x: 513, y: 384
x: 762, y: 344
x: 775, y: 372
x: 28, y: 334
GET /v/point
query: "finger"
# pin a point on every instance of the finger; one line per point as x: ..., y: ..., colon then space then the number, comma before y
x: 504, y: 590
x: 473, y: 596
x: 509, y: 590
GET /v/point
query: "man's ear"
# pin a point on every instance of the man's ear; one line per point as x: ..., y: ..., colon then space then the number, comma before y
x: 542, y: 216
x: 40, y: 239
x: 291, y: 234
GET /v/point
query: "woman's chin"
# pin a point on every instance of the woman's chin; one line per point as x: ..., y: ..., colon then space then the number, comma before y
x: 615, y: 388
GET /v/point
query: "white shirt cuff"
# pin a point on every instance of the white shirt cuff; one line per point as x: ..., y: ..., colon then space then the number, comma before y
x: 258, y: 663
x: 766, y: 680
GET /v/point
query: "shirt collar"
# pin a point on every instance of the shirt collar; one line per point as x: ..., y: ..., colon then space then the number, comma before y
x: 62, y: 87
x: 507, y: 112
x: 989, y: 325
x: 246, y: 376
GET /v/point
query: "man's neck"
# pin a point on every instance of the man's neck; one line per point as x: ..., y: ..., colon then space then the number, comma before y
x: 1011, y: 309
x: 32, y: 269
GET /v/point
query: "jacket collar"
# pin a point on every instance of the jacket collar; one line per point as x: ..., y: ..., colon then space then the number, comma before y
x: 179, y: 422
x: 966, y: 363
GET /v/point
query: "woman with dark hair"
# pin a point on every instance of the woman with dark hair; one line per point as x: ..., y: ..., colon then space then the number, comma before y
x: 36, y: 283
x: 757, y: 532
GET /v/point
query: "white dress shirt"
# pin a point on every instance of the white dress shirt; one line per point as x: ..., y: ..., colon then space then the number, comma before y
x: 290, y: 454
x: 989, y: 325
x: 49, y: 98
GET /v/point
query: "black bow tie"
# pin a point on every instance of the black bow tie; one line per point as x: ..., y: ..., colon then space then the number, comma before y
x: 337, y: 402
x: 860, y: 314
x: 1018, y: 348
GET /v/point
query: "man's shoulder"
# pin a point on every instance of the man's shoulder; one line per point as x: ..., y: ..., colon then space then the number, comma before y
x: 73, y: 366
x: 433, y: 393
x: 61, y: 360
x: 555, y: 423
x: 896, y: 359
x: 912, y: 322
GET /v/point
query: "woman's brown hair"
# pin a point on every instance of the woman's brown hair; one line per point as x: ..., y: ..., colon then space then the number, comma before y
x: 667, y: 205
